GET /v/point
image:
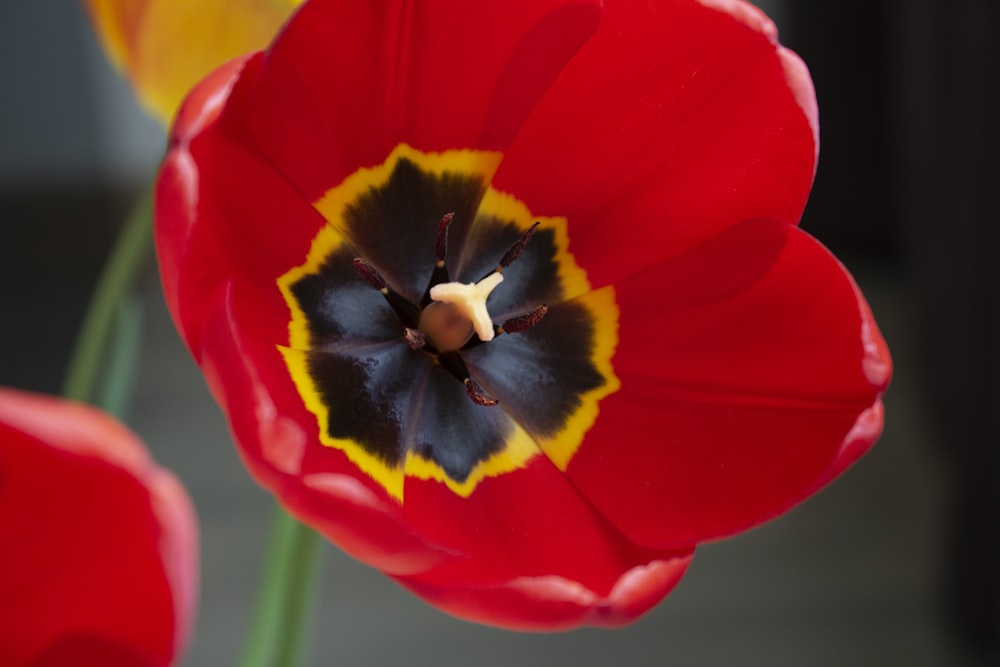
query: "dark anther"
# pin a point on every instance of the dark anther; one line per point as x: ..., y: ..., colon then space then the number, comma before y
x: 478, y: 394
x: 515, y: 250
x: 406, y: 311
x: 523, y: 322
x: 441, y: 243
x: 414, y: 338
x: 440, y: 273
x: 371, y: 276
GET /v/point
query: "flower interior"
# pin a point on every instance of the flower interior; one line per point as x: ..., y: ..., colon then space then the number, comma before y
x: 440, y: 330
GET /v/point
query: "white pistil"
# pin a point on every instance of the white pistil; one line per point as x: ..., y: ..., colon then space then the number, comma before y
x: 470, y: 300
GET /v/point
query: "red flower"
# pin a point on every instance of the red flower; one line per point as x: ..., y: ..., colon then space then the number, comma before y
x: 99, y: 560
x: 665, y: 359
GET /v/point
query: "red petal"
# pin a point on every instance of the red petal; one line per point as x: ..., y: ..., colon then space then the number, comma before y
x: 186, y: 252
x: 219, y: 204
x: 549, y: 603
x: 529, y: 552
x: 100, y: 543
x: 278, y: 442
x: 348, y: 81
x: 90, y: 650
x: 751, y: 372
x: 678, y: 120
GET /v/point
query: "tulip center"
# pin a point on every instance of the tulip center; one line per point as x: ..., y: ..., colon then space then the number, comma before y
x: 486, y: 346
x: 453, y: 315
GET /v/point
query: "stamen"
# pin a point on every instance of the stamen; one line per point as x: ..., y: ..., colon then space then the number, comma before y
x: 371, y: 276
x: 523, y: 322
x: 470, y: 300
x: 406, y: 311
x: 519, y: 245
x: 478, y: 394
x: 414, y: 338
x: 441, y: 243
x: 440, y: 273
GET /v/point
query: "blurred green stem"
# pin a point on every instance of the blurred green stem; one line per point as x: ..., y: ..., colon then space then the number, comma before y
x: 114, y: 393
x: 279, y: 626
x: 112, y: 315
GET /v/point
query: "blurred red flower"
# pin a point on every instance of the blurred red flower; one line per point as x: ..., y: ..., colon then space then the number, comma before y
x: 667, y: 360
x: 99, y: 565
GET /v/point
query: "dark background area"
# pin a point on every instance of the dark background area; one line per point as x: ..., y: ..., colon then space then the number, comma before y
x: 895, y: 563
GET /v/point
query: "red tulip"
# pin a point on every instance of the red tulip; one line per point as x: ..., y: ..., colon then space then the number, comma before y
x: 529, y: 426
x: 99, y: 559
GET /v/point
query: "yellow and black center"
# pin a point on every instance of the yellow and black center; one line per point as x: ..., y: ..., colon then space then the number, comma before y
x: 439, y: 331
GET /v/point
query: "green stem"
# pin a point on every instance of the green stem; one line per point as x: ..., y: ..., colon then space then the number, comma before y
x: 118, y: 378
x: 276, y: 638
x: 115, y: 283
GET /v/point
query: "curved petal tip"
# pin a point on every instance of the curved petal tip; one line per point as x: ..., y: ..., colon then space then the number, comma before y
x: 551, y: 603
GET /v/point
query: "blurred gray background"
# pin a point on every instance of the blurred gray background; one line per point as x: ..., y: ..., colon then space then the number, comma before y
x: 894, y: 564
